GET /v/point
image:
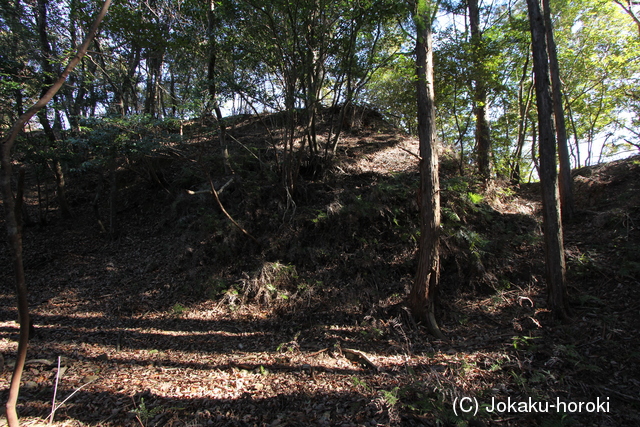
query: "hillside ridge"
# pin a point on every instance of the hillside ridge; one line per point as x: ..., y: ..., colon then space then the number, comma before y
x: 182, y: 316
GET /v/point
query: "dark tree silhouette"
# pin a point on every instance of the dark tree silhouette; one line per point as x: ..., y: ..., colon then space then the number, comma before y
x: 554, y: 247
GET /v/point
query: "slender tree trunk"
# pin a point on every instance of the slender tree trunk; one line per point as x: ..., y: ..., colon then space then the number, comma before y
x: 576, y: 140
x: 554, y: 247
x: 213, y: 93
x: 77, y: 103
x: 53, y: 134
x: 54, y: 137
x: 61, y: 189
x: 423, y: 292
x: 565, y: 181
x: 172, y: 96
x: 19, y: 106
x: 155, y: 59
x: 483, y: 135
x: 12, y: 223
x: 113, y: 197
x: 524, y: 104
x: 14, y: 234
x: 129, y: 99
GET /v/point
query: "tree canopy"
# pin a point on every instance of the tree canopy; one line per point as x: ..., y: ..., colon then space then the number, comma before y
x: 151, y: 58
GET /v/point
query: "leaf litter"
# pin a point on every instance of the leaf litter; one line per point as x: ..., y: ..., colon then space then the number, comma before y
x: 170, y: 326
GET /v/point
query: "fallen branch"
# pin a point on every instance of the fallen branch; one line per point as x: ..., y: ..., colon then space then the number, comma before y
x: 315, y: 353
x: 359, y: 357
x: 246, y: 148
x: 412, y: 153
x: 195, y: 193
x: 224, y: 211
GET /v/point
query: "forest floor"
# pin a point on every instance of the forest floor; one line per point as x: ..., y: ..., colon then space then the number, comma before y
x: 178, y: 319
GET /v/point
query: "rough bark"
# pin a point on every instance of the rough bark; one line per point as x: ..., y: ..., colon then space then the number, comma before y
x: 425, y: 287
x: 12, y: 223
x: 565, y: 181
x: 483, y: 135
x: 554, y: 248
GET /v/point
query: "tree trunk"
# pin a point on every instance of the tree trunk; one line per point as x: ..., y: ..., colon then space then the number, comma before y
x: 524, y: 105
x: 554, y: 248
x: 14, y: 234
x: 211, y: 76
x: 575, y: 133
x: 113, y: 197
x: 12, y: 223
x: 129, y: 99
x: 483, y: 136
x: 53, y: 134
x: 155, y: 59
x: 565, y: 182
x: 424, y: 289
x: 61, y: 189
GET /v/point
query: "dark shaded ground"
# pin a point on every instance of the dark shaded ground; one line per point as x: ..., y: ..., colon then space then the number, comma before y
x: 182, y: 320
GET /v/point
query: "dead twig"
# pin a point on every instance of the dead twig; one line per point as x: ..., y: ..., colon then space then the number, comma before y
x: 56, y: 407
x: 224, y: 211
x: 315, y: 353
x: 411, y: 152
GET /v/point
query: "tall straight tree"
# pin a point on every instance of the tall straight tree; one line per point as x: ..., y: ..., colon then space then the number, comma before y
x: 554, y: 247
x: 483, y: 137
x: 566, y: 184
x: 213, y: 22
x: 424, y: 289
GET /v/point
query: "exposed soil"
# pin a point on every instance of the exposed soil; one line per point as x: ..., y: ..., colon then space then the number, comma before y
x: 180, y: 319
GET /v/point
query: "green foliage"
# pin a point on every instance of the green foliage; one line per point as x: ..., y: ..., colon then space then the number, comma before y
x: 321, y: 216
x: 290, y: 346
x: 524, y: 342
x: 599, y: 64
x: 475, y: 198
x: 459, y: 202
x: 391, y: 396
x: 216, y: 287
x: 178, y: 309
x: 372, y: 331
x: 475, y: 241
x: 583, y: 264
x: 145, y: 414
x: 391, y: 90
x: 360, y: 383
x: 423, y: 398
x: 105, y: 138
x: 301, y: 55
